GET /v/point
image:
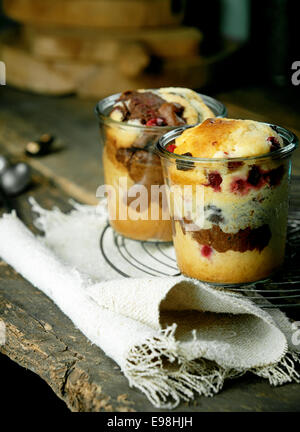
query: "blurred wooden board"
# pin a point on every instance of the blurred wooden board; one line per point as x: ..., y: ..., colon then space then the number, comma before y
x: 30, y: 73
x: 94, y: 13
x: 105, y: 46
x: 190, y: 72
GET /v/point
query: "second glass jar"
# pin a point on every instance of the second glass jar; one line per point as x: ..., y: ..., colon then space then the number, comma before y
x: 131, y: 167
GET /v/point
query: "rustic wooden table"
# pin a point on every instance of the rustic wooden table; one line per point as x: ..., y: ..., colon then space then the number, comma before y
x: 39, y: 336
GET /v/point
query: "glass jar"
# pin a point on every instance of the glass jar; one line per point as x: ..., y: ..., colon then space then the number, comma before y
x: 229, y: 216
x: 131, y: 165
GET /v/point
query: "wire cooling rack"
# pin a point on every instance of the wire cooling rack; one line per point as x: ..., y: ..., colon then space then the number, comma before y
x: 131, y: 258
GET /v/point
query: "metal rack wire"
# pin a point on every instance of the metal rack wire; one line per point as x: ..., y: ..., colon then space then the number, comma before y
x: 131, y: 258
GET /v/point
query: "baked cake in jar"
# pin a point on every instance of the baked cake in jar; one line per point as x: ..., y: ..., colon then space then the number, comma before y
x: 228, y: 183
x: 131, y: 124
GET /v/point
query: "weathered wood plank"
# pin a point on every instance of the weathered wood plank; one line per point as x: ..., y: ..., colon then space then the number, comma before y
x: 48, y: 344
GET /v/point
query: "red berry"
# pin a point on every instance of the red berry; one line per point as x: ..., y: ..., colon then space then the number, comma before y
x: 239, y: 186
x: 171, y: 148
x: 206, y: 251
x: 214, y: 180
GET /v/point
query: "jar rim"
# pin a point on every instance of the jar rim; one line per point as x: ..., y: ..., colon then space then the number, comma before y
x: 102, y: 106
x: 286, y: 134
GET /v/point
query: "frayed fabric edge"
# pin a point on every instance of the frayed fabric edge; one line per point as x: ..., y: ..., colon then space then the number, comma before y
x: 158, y: 370
x: 282, y: 372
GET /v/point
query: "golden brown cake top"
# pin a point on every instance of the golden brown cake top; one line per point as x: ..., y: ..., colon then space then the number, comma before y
x: 227, y: 138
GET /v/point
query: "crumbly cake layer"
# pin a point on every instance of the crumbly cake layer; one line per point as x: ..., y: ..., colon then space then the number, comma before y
x: 237, y: 201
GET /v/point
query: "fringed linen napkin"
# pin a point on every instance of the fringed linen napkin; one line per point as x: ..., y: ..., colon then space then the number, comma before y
x: 172, y: 337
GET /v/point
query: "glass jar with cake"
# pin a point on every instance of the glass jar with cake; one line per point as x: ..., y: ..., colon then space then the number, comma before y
x: 130, y: 125
x: 228, y: 184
